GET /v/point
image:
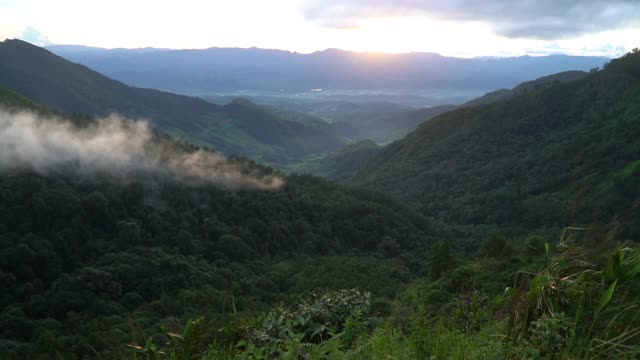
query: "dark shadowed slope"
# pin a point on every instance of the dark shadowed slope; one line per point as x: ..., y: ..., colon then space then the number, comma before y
x: 535, y: 159
x: 240, y: 127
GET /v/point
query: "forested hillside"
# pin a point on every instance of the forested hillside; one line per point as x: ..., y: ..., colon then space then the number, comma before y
x: 556, y: 169
x: 239, y: 128
x: 89, y: 262
x: 557, y: 155
x: 86, y: 266
x: 342, y: 164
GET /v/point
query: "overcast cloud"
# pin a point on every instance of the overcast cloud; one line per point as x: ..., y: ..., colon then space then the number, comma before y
x: 538, y: 19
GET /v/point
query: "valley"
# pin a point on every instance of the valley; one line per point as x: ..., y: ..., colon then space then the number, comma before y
x: 207, y: 204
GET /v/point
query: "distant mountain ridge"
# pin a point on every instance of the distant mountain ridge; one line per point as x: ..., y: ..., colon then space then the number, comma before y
x: 240, y: 128
x: 231, y: 69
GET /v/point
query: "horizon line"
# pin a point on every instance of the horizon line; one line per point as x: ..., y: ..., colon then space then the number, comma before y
x: 378, y: 53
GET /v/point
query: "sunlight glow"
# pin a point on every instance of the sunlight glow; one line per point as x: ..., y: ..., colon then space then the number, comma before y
x: 275, y: 24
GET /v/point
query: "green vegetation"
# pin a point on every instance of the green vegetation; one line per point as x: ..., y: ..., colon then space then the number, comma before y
x: 340, y: 165
x: 558, y: 155
x: 567, y: 303
x: 88, y: 264
x: 10, y: 99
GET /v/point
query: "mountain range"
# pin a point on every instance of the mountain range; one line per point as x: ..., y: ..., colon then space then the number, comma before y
x: 240, y: 127
x: 220, y: 70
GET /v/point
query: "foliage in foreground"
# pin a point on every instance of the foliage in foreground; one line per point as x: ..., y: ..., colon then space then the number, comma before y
x: 580, y: 304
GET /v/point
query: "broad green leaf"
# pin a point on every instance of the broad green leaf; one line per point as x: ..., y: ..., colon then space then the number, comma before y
x: 606, y: 296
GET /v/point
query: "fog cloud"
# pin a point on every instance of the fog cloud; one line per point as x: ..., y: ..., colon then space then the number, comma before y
x: 542, y: 19
x: 117, y: 145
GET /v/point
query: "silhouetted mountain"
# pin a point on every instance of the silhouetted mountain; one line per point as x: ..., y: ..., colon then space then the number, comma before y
x: 231, y: 69
x: 240, y: 127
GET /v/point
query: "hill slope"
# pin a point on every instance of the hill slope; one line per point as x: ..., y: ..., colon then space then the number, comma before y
x: 380, y: 122
x: 342, y: 164
x: 563, y: 154
x: 505, y: 94
x: 240, y: 127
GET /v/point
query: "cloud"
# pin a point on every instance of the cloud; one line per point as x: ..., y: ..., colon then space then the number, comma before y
x: 596, y: 49
x: 10, y: 4
x: 118, y: 146
x: 34, y: 36
x: 537, y: 19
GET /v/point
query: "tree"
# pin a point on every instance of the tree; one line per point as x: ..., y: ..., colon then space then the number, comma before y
x: 440, y: 259
x: 234, y: 247
x: 497, y: 247
x: 535, y: 246
x: 389, y: 247
x: 96, y: 205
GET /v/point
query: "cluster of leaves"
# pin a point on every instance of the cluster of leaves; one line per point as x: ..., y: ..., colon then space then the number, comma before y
x: 580, y: 306
x: 334, y: 317
x: 315, y: 320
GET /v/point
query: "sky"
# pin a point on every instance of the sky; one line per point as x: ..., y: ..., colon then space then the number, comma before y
x: 465, y: 28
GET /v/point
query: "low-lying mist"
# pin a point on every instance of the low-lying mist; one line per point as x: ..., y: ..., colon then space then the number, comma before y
x: 115, y: 145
